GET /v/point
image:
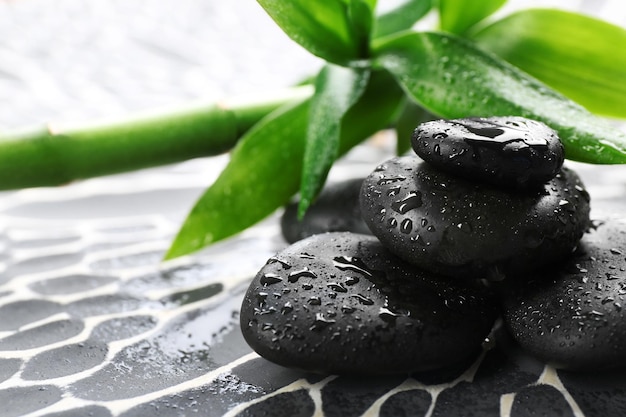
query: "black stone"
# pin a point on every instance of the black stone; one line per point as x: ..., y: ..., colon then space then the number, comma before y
x: 540, y: 401
x: 336, y: 209
x: 597, y: 394
x: 504, y: 369
x: 353, y: 395
x: 574, y: 316
x: 341, y: 303
x: 290, y: 404
x: 508, y: 151
x: 407, y: 404
x: 461, y: 228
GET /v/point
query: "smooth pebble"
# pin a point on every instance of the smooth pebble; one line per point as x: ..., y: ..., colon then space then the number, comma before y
x: 507, y: 151
x: 341, y: 303
x: 449, y: 225
x: 574, y: 316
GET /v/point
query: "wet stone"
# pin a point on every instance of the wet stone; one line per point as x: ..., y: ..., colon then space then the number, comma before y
x: 597, y: 394
x: 66, y: 360
x: 189, y: 346
x: 180, y: 276
x: 540, y: 401
x: 336, y: 209
x: 574, y: 315
x: 341, y: 303
x: 213, y: 399
x: 506, y: 151
x: 406, y: 403
x: 461, y: 228
x: 194, y: 295
x: 345, y: 396
x: 504, y: 369
x: 291, y: 404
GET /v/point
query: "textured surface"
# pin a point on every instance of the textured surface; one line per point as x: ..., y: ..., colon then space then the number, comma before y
x: 462, y: 228
x: 91, y: 324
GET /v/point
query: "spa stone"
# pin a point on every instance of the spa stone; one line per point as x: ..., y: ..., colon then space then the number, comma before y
x: 340, y: 303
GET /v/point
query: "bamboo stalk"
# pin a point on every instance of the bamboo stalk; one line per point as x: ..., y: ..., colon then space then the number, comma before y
x: 51, y: 155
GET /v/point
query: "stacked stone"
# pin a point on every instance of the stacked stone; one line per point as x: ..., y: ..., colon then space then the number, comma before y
x: 484, y: 221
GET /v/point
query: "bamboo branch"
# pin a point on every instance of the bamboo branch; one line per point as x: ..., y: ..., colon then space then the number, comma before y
x: 53, y: 155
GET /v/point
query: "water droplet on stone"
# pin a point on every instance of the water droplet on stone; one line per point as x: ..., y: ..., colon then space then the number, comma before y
x: 393, y: 191
x: 315, y: 301
x: 406, y: 226
x: 387, y: 315
x: 287, y: 308
x: 269, y: 279
x: 363, y: 299
x: 351, y: 280
x: 296, y: 275
x: 390, y: 180
x: 348, y: 309
x: 320, y: 323
x: 337, y: 287
x: 412, y: 201
x: 465, y: 227
x: 350, y: 263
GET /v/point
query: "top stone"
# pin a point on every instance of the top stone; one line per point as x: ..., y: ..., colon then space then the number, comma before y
x: 506, y: 151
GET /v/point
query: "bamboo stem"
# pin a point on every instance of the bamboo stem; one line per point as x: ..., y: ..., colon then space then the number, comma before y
x: 53, y: 155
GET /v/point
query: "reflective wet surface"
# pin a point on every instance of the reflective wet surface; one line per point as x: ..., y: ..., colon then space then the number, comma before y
x: 92, y: 323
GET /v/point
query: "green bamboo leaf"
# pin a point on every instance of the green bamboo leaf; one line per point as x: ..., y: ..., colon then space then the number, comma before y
x: 457, y: 16
x: 402, y: 17
x: 582, y: 57
x: 325, y: 28
x: 412, y: 115
x: 453, y: 78
x: 361, y: 17
x: 265, y: 167
x: 336, y: 90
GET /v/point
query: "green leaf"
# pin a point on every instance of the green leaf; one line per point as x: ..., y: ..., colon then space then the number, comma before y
x: 453, y: 78
x: 581, y: 57
x: 265, y: 167
x: 336, y: 90
x: 331, y: 29
x: 361, y: 17
x: 402, y: 17
x: 457, y: 16
x: 411, y: 116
